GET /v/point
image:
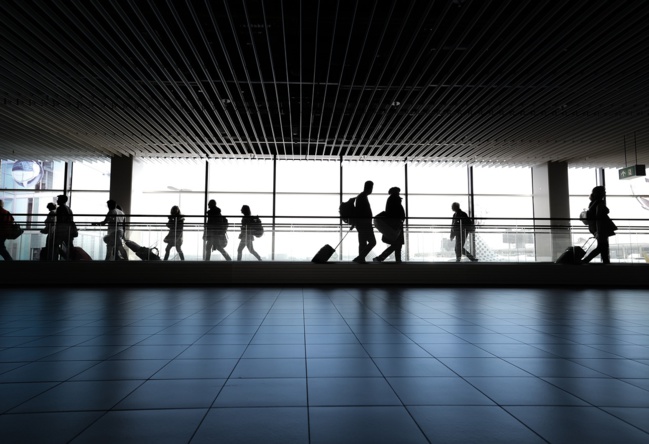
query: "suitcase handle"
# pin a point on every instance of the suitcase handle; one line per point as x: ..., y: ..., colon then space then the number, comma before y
x: 586, y: 248
x: 341, y: 240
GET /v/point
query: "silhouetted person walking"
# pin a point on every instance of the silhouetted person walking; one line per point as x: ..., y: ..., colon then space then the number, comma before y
x: 460, y: 226
x: 363, y: 222
x: 64, y: 230
x: 6, y: 221
x: 600, y: 225
x: 216, y: 237
x: 394, y: 217
x: 246, y: 235
x: 175, y: 224
x: 48, y: 229
x: 116, y: 222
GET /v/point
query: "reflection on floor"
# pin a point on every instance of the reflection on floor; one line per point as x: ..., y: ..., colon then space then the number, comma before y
x: 321, y: 365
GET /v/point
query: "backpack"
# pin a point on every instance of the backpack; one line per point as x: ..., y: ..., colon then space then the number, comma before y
x: 347, y: 210
x: 223, y: 224
x: 256, y: 227
x: 468, y: 225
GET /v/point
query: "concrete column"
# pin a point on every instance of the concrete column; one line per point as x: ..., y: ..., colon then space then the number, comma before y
x: 121, y: 181
x: 552, y: 201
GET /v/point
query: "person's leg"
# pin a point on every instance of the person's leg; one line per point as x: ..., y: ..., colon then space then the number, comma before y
x: 465, y: 251
x: 383, y: 256
x: 369, y: 242
x: 225, y: 254
x: 458, y: 247
x: 3, y: 251
x: 111, y: 250
x: 594, y: 252
x: 207, y: 249
x: 122, y: 251
x: 604, y: 250
x: 167, y: 251
x: 180, y: 252
x: 397, y: 253
x: 55, y: 250
x: 251, y: 248
x: 361, y: 241
x: 242, y: 245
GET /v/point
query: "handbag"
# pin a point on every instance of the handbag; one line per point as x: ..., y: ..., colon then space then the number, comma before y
x: 14, y: 231
x: 74, y: 231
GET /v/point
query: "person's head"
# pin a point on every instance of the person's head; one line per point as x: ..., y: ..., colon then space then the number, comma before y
x: 211, y: 203
x: 598, y: 193
x: 2, y: 203
x: 394, y: 191
x: 369, y: 186
x: 61, y: 199
x: 175, y: 211
x: 455, y: 206
x: 51, y: 206
x: 245, y: 210
x: 111, y: 204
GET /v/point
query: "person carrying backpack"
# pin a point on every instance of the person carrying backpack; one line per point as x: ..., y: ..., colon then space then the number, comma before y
x: 174, y: 238
x: 116, y: 222
x: 393, y: 217
x: 600, y: 225
x: 248, y: 231
x: 216, y: 237
x: 461, y: 226
x: 363, y: 223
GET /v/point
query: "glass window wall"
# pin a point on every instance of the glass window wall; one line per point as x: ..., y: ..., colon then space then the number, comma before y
x: 504, y: 211
x: 307, y: 201
x: 305, y: 210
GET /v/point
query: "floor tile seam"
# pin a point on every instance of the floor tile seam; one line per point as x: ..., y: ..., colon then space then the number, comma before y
x: 507, y: 411
x: 36, y: 395
x: 187, y: 347
x: 97, y: 362
x: 25, y: 363
x: 399, y: 330
x: 86, y: 381
x: 604, y: 375
x: 390, y: 385
x: 306, y: 370
x: 589, y: 404
x: 601, y: 409
x: 229, y: 376
x: 574, y: 343
x: 624, y: 420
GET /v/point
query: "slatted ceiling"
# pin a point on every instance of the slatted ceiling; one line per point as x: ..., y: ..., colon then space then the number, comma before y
x: 460, y: 81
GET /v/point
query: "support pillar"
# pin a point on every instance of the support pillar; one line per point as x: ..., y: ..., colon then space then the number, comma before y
x: 121, y: 181
x: 551, y: 204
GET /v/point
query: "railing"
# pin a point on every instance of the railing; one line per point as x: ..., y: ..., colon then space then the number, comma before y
x: 300, y: 238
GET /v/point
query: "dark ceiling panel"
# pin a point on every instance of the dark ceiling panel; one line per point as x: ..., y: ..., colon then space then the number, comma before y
x: 463, y: 81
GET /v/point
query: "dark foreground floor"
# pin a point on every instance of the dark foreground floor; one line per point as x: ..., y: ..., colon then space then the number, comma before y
x: 318, y: 365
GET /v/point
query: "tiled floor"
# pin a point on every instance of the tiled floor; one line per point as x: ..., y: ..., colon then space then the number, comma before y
x: 273, y: 365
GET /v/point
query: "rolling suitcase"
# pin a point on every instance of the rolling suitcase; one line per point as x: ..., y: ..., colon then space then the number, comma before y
x: 144, y: 253
x: 79, y: 254
x: 574, y: 255
x: 323, y: 255
x: 327, y: 251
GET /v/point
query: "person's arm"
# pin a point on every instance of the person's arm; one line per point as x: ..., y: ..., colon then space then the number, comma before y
x: 103, y: 222
x: 453, y: 226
